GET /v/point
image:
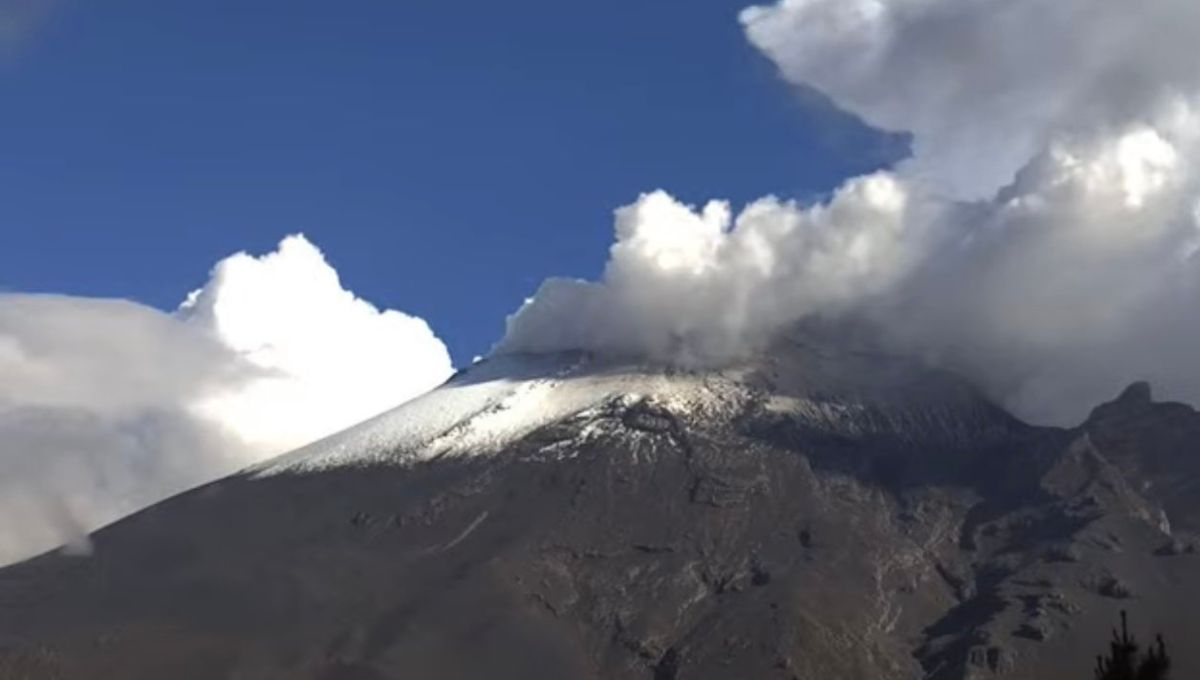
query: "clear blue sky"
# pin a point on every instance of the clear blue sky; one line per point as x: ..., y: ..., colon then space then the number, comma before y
x: 446, y: 156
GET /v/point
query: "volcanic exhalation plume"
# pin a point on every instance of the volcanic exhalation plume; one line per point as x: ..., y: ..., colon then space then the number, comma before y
x: 1041, y: 238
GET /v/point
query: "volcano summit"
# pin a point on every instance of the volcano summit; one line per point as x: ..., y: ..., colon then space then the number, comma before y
x: 820, y: 511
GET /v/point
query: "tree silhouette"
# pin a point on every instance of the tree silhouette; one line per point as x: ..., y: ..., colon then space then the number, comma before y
x: 1126, y: 662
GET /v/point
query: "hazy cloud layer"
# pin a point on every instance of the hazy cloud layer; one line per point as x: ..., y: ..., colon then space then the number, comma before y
x: 1042, y: 239
x: 108, y: 405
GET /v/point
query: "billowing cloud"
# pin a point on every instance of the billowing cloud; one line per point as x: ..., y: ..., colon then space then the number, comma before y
x: 1074, y: 281
x: 1042, y: 239
x: 325, y: 359
x: 693, y: 286
x: 108, y: 405
x: 984, y: 85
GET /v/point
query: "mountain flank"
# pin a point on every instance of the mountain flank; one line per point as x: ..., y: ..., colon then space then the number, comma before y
x: 817, y: 512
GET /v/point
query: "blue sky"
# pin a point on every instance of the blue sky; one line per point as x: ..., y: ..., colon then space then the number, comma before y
x: 446, y: 157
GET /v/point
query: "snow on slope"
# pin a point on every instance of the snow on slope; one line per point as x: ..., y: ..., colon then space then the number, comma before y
x: 497, y: 401
x: 829, y: 381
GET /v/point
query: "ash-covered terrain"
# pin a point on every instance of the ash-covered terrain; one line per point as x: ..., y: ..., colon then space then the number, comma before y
x: 820, y: 512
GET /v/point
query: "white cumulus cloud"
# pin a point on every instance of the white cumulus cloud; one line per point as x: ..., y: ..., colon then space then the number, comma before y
x: 325, y: 358
x: 109, y: 405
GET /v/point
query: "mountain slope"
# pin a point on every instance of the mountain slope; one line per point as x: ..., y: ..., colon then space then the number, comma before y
x: 819, y: 512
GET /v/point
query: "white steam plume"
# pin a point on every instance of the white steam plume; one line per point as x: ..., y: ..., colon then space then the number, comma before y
x: 1043, y: 238
x: 692, y: 286
x: 108, y: 405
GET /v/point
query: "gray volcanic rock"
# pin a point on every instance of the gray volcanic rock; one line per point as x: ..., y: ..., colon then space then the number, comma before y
x: 817, y: 513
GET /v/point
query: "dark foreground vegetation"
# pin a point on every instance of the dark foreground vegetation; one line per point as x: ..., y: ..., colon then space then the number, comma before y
x: 1126, y: 661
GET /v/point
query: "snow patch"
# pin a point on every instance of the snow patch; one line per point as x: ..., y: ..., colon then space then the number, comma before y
x: 502, y: 399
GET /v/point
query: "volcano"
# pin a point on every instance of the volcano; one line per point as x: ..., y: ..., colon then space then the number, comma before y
x: 823, y: 510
